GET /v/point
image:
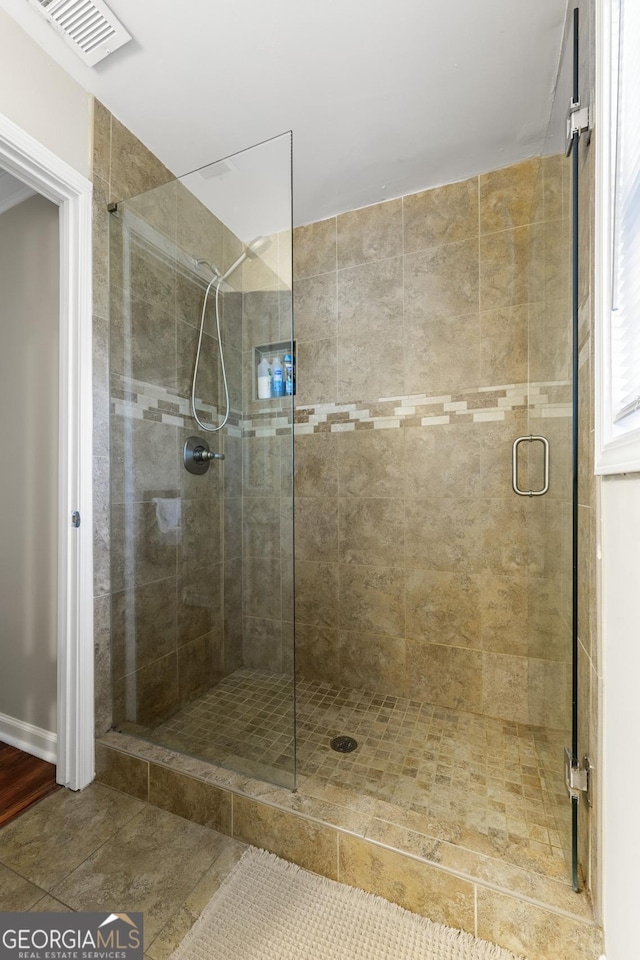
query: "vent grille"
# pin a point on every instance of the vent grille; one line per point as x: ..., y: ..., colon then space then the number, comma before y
x: 88, y: 26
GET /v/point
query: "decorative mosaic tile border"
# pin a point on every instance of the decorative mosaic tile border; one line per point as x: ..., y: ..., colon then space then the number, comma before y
x: 144, y: 401
x: 551, y: 399
x: 138, y: 400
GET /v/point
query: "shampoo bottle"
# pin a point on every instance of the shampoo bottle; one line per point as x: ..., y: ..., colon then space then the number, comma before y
x: 264, y: 380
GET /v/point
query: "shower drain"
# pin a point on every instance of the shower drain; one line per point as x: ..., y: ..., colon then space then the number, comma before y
x: 343, y: 744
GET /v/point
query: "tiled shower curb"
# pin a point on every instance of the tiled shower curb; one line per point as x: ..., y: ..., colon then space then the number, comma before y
x: 539, y: 918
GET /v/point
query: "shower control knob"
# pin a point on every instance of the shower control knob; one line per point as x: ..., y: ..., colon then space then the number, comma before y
x: 197, y: 456
x: 200, y: 455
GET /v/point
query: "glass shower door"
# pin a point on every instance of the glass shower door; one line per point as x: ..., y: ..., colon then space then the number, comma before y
x: 202, y: 529
x: 553, y: 415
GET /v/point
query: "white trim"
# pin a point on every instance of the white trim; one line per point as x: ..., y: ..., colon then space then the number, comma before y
x: 25, y: 736
x: 617, y: 448
x: 35, y: 165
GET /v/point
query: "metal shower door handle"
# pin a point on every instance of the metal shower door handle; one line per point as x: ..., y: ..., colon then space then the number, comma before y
x: 514, y: 467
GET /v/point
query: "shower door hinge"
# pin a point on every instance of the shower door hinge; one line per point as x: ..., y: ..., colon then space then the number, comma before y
x: 578, y: 777
x: 578, y: 122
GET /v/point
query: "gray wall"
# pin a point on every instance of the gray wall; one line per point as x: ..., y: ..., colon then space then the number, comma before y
x: 29, y: 258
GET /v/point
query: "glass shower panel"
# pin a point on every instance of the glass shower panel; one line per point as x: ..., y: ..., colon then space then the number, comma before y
x: 551, y: 412
x: 201, y: 492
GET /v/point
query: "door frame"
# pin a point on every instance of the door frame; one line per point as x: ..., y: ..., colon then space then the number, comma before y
x: 55, y: 179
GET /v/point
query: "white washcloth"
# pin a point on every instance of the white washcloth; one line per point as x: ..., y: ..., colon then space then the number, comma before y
x: 168, y: 514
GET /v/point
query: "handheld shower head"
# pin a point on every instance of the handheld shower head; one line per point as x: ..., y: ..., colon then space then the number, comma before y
x: 253, y: 249
x: 257, y: 246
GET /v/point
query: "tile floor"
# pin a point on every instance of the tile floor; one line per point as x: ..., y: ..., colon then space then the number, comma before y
x: 482, y: 780
x: 102, y: 850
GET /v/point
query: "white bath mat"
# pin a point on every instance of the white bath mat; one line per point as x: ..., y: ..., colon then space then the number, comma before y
x: 268, y: 909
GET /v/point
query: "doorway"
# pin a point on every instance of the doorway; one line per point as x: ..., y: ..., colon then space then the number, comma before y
x: 53, y: 715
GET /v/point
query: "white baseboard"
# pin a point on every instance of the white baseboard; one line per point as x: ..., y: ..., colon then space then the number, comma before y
x: 25, y: 736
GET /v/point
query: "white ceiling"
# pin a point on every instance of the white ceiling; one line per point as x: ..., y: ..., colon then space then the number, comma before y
x: 383, y: 98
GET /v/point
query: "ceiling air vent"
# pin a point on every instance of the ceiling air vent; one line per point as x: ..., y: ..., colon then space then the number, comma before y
x: 88, y: 26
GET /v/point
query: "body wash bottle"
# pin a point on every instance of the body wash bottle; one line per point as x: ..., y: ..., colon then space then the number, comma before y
x: 277, y: 378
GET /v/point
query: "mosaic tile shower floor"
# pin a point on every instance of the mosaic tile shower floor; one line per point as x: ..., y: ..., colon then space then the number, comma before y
x: 480, y: 779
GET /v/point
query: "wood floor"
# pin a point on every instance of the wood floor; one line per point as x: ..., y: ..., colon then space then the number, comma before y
x: 23, y: 780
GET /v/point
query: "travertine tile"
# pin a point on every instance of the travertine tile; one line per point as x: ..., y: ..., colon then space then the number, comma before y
x: 190, y: 798
x: 262, y: 644
x: 371, y: 463
x: 509, y: 197
x: 371, y: 233
x: 372, y: 599
x: 370, y: 298
x: 82, y: 822
x: 148, y: 695
x: 442, y: 281
x: 315, y: 301
x: 198, y: 603
x: 101, y: 141
x: 443, y: 675
x: 152, y: 864
x: 134, y: 169
x: 122, y: 771
x: 444, y: 461
x: 200, y: 665
x: 316, y: 465
x: 442, y: 215
x: 143, y: 625
x: 314, y: 249
x: 505, y: 268
x: 101, y: 220
x: 172, y: 934
x: 310, y: 845
x: 371, y: 531
x: 318, y: 653
x: 359, y: 355
x: 443, y: 607
x: 373, y: 662
x: 317, y: 529
x: 16, y: 893
x: 504, y: 610
x: 415, y: 886
x: 317, y: 371
x: 504, y: 345
x: 534, y: 932
x: 442, y: 356
x: 101, y: 527
x: 102, y: 664
x: 261, y: 585
x: 505, y: 687
x: 316, y: 593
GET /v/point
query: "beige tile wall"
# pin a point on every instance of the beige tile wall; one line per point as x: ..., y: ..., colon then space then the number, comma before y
x: 415, y: 563
x: 166, y: 629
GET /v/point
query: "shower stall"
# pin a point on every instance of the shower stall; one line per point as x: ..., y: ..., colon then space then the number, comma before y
x: 433, y: 390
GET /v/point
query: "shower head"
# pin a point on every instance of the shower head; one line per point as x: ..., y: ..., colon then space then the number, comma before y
x: 257, y: 246
x: 252, y: 250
